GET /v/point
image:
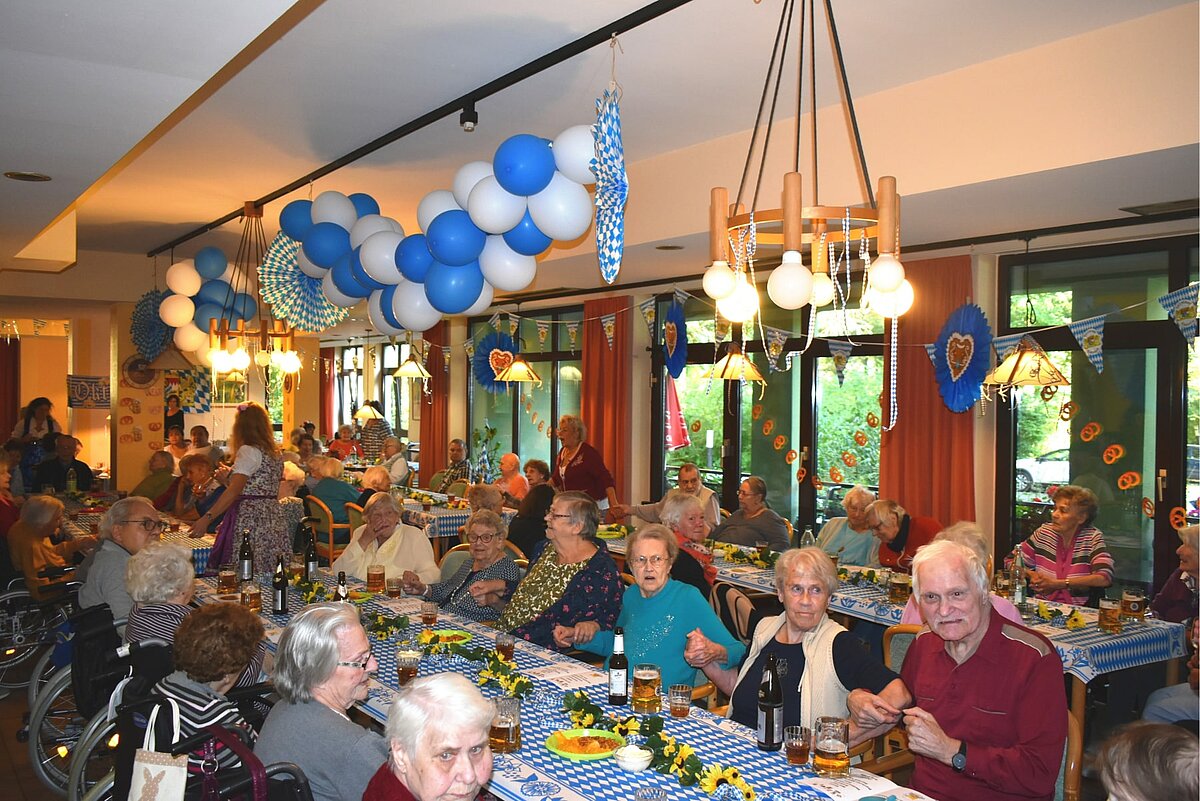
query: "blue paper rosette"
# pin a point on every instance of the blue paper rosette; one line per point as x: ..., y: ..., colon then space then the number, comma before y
x: 960, y: 357
x: 149, y: 333
x: 612, y: 185
x: 293, y: 295
x: 488, y: 354
x: 675, y: 339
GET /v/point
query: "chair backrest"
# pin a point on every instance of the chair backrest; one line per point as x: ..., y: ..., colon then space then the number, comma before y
x: 791, y: 531
x: 458, y: 488
x: 515, y: 552
x: 628, y: 579
x: 735, y: 610
x: 324, y: 528
x: 1070, y: 776
x: 354, y: 513
x: 725, y: 513
x: 896, y: 641
x: 435, y: 482
x: 452, y: 560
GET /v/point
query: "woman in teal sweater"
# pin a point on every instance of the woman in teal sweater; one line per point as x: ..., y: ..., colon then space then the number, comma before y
x: 660, y: 616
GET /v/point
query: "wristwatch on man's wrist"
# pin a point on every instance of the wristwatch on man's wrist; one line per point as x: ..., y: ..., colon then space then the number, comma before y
x: 959, y: 760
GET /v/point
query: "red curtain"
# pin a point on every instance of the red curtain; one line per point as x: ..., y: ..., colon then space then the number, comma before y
x: 325, y: 424
x: 10, y: 382
x: 926, y: 463
x: 606, y: 386
x: 435, y: 407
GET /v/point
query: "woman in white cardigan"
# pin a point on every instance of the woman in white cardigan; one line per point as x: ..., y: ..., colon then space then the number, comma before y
x: 384, y: 540
x: 817, y: 659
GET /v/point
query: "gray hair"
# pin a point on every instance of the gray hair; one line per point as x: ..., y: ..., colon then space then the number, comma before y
x: 655, y: 531
x: 943, y: 552
x: 885, y: 510
x: 399, y: 443
x: 964, y: 532
x: 488, y: 519
x: 381, y: 499
x: 327, y: 467
x: 582, y: 510
x: 1080, y: 497
x: 292, y: 471
x: 676, y: 505
x: 440, y: 701
x: 1143, y: 761
x: 39, y: 510
x: 120, y: 512
x: 308, y: 649
x: 377, y: 478
x: 1189, y: 535
x: 159, y: 572
x: 573, y: 422
x: 161, y: 460
x: 485, y: 496
x: 858, y: 491
x: 809, y: 562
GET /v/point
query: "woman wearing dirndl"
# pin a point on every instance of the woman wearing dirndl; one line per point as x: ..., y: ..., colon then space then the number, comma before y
x: 252, y: 496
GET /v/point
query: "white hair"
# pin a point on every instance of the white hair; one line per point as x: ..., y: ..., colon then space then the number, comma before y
x: 308, y: 649
x: 944, y: 551
x: 159, y: 572
x: 440, y: 701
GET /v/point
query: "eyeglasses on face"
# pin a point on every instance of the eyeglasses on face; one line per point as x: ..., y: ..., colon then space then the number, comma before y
x: 642, y: 561
x: 558, y: 515
x: 148, y: 525
x: 358, y: 665
x: 484, y: 538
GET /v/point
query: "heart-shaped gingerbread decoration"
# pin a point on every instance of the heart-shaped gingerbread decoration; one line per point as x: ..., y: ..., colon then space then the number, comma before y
x: 959, y: 350
x: 671, y: 335
x: 499, y: 359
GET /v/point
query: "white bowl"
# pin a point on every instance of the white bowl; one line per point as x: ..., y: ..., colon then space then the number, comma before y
x: 633, y: 758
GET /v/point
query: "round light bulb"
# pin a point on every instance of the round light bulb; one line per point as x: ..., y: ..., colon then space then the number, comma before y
x: 822, y: 289
x: 240, y: 360
x: 277, y: 357
x: 891, y: 304
x: 790, y: 285
x: 741, y: 304
x: 262, y: 358
x: 219, y: 359
x: 886, y: 273
x: 289, y: 362
x: 719, y: 280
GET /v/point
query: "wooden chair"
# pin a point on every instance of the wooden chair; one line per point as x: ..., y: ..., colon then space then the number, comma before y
x: 516, y: 553
x: 725, y: 513
x: 628, y: 579
x: 896, y: 642
x: 435, y: 481
x: 452, y: 560
x: 791, y: 532
x: 354, y: 513
x: 458, y: 489
x: 324, y: 529
x: 735, y: 610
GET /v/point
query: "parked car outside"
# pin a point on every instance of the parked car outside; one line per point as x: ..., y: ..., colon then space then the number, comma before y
x: 1045, y: 470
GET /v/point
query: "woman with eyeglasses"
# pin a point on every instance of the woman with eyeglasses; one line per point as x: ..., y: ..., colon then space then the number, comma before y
x: 125, y: 529
x: 661, y: 616
x: 383, y: 540
x: 481, y: 585
x: 754, y: 521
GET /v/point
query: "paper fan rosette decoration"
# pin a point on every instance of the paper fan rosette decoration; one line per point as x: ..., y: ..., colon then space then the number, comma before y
x: 493, y: 353
x: 675, y: 339
x: 149, y: 333
x: 612, y: 184
x: 293, y: 295
x: 960, y: 357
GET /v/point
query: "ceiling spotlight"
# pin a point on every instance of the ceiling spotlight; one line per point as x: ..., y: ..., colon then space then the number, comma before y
x: 20, y: 175
x: 469, y: 117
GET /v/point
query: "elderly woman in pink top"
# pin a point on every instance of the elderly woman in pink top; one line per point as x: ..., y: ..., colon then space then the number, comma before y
x: 1067, y: 557
x: 969, y: 535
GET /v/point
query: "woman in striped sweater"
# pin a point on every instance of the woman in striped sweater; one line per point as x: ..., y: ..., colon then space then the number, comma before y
x: 1067, y: 558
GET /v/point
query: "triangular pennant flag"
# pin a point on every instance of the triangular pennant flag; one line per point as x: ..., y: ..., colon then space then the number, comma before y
x: 721, y: 329
x: 1005, y: 345
x: 609, y: 323
x: 774, y: 340
x: 840, y: 352
x: 514, y: 325
x: 1090, y: 335
x: 649, y: 312
x: 681, y: 297
x: 543, y: 331
x: 469, y: 347
x: 446, y: 361
x: 494, y: 321
x: 931, y: 352
x: 676, y: 427
x: 573, y: 334
x: 1181, y: 306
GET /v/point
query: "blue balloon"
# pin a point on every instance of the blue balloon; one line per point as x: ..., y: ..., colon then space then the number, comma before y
x: 526, y: 238
x: 524, y: 164
x: 218, y: 292
x: 343, y: 278
x: 211, y: 262
x: 452, y: 289
x: 325, y: 243
x: 364, y: 204
x: 453, y: 239
x: 360, y: 275
x: 386, y: 298
x: 206, y: 312
x: 413, y: 257
x: 244, y: 306
x: 296, y: 219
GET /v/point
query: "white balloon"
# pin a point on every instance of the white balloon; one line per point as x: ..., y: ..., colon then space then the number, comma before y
x: 563, y: 210
x: 504, y: 268
x: 482, y: 303
x: 378, y: 256
x: 334, y: 207
x: 176, y: 311
x: 367, y: 225
x: 467, y: 178
x: 492, y: 208
x: 790, y: 284
x: 189, y: 337
x: 375, y: 312
x: 397, y: 227
x: 434, y: 204
x: 412, y: 309
x: 307, y: 267
x: 574, y: 150
x: 182, y: 279
x: 333, y: 294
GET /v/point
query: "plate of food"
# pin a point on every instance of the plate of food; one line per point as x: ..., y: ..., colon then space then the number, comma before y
x: 581, y: 745
x: 612, y: 532
x: 360, y: 596
x: 453, y: 636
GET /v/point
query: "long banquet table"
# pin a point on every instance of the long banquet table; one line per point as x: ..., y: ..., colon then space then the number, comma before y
x: 533, y: 772
x: 78, y: 524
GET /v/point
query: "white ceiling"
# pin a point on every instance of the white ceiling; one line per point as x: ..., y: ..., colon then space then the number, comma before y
x: 85, y: 85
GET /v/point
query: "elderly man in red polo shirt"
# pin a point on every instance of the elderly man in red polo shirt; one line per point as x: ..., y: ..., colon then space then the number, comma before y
x: 989, y: 714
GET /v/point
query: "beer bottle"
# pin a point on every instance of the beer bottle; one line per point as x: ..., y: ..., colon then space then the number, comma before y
x: 311, y: 566
x: 342, y: 593
x: 246, y: 558
x: 72, y: 480
x: 808, y: 540
x: 618, y: 671
x: 1018, y: 569
x: 770, y: 708
x: 279, y: 587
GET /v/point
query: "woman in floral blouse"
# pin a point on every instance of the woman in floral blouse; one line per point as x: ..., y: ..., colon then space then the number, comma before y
x: 574, y: 583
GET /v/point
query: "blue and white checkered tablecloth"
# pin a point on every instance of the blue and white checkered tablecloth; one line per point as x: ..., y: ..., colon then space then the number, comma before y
x: 201, y: 546
x: 439, y: 521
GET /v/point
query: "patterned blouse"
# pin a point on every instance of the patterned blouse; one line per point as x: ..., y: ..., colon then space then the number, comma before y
x: 1046, y: 552
x: 454, y: 594
x: 554, y: 594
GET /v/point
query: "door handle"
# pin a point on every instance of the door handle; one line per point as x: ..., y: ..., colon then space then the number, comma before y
x: 1161, y: 482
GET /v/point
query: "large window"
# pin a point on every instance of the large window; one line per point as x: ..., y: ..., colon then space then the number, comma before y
x: 396, y: 394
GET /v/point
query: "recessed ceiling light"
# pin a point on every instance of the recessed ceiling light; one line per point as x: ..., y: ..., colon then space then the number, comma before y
x: 20, y: 175
x: 668, y: 247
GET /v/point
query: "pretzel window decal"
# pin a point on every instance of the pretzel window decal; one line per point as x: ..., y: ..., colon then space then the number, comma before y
x: 1129, y: 480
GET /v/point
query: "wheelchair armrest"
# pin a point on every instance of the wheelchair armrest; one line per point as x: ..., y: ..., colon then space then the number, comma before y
x: 237, y: 783
x: 54, y: 572
x: 189, y: 744
x: 254, y: 691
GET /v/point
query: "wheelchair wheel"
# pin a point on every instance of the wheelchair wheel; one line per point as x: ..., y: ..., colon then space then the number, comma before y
x: 94, y: 756
x: 54, y: 728
x: 101, y: 790
x: 26, y: 629
x: 39, y: 676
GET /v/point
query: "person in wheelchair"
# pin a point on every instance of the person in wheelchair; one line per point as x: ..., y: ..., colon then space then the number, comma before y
x: 31, y: 546
x: 213, y: 646
x: 124, y: 530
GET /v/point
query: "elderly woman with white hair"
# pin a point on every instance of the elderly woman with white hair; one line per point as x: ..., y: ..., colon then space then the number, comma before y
x: 683, y: 513
x: 580, y: 467
x: 1176, y: 601
x: 374, y: 479
x: 332, y: 491
x: 383, y: 540
x: 437, y: 733
x: 127, y: 527
x: 395, y: 459
x: 825, y: 663
x: 161, y: 581
x: 849, y: 538
x: 323, y: 665
x: 969, y: 535
x: 31, y: 545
